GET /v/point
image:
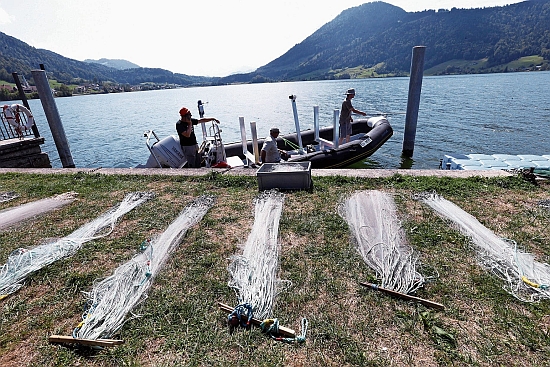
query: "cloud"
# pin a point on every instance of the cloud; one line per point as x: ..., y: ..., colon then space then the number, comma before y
x: 5, y: 18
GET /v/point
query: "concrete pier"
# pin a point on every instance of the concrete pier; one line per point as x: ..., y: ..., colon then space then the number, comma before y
x: 26, y: 153
x: 196, y: 172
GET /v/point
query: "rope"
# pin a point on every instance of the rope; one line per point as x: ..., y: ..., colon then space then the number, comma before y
x: 545, y: 203
x: 241, y: 315
x: 271, y: 328
x: 7, y: 196
x: 525, y: 279
x: 22, y: 262
x: 376, y: 229
x: 114, y: 297
x: 290, y: 144
x: 254, y: 273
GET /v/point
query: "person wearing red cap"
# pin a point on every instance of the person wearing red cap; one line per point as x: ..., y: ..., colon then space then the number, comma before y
x: 188, y: 139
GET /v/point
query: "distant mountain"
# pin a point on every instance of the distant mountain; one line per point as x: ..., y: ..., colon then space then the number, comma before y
x: 356, y: 37
x: 373, y: 39
x: 17, y: 56
x: 114, y: 63
x: 378, y: 37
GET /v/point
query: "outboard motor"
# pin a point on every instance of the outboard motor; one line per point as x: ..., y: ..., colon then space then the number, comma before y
x: 165, y: 153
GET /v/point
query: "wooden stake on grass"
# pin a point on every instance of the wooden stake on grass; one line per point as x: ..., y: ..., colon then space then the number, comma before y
x: 91, y: 342
x: 404, y: 296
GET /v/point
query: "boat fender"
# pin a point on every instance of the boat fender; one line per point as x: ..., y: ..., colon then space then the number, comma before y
x: 14, y: 119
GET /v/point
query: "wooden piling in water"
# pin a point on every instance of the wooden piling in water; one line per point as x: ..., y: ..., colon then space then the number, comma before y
x: 413, y: 102
x: 54, y: 120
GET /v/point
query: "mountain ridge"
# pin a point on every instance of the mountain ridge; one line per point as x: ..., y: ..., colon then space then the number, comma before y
x: 497, y: 33
x: 119, y: 64
x: 372, y: 39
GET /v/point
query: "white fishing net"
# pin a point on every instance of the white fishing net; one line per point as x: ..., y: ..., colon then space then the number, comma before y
x: 525, y: 278
x: 113, y: 298
x: 22, y: 262
x: 254, y: 273
x: 545, y: 203
x: 286, y: 168
x: 12, y: 216
x: 376, y: 229
x: 7, y: 196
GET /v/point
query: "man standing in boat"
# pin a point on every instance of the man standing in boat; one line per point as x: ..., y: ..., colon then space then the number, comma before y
x: 345, y: 116
x: 270, y: 153
x: 188, y: 140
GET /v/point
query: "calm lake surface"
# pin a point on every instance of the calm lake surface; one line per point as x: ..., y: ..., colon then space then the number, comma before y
x: 492, y: 113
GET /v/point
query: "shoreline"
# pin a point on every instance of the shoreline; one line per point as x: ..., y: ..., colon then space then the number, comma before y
x: 366, y: 173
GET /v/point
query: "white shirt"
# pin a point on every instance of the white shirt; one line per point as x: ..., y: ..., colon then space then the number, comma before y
x: 271, y: 151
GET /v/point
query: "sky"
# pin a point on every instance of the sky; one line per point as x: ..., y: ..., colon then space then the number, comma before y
x: 201, y: 37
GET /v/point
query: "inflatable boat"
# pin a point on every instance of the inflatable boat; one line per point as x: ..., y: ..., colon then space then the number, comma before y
x: 367, y: 136
x: 319, y: 145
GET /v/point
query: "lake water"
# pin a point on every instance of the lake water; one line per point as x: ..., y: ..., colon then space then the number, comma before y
x: 491, y: 113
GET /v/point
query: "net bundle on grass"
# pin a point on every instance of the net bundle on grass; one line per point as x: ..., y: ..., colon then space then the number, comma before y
x: 545, y: 204
x: 286, y: 167
x: 22, y: 262
x: 11, y: 216
x: 254, y: 273
x: 376, y: 229
x: 114, y: 297
x: 7, y: 196
x: 526, y: 279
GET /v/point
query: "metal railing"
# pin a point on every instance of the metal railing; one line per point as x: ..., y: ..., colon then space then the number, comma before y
x: 7, y: 131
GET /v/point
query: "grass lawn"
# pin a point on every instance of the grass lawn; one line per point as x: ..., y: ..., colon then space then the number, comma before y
x: 181, y: 325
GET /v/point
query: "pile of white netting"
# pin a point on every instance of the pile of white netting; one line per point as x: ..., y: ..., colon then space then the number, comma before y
x: 115, y: 296
x: 526, y: 279
x: 254, y: 273
x: 11, y: 216
x: 286, y: 167
x: 22, y: 262
x: 7, y: 196
x: 376, y: 229
x: 545, y: 203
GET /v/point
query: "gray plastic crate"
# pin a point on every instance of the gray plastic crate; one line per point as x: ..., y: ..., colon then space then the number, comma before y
x: 284, y: 176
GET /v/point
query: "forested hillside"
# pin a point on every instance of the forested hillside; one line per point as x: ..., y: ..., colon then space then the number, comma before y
x: 380, y: 36
x: 371, y: 40
x: 17, y: 56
